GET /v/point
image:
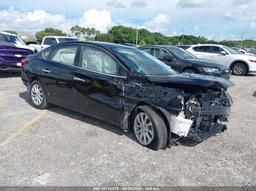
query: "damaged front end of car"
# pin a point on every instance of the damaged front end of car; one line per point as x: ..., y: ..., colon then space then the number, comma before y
x: 205, y: 106
x: 202, y: 116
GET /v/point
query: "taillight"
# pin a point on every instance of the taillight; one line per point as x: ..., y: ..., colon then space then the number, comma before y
x: 23, y: 63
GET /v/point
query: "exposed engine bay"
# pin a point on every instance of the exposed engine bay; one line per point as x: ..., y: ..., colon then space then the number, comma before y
x: 203, y: 115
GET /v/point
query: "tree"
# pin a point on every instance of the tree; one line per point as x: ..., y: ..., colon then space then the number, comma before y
x: 11, y: 32
x: 104, y: 37
x: 123, y: 34
x: 85, y: 32
x: 49, y: 32
x: 142, y: 42
x: 77, y: 30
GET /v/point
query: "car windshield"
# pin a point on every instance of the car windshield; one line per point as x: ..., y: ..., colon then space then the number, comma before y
x: 143, y: 63
x: 230, y: 50
x: 180, y: 53
x: 67, y: 39
x: 11, y: 39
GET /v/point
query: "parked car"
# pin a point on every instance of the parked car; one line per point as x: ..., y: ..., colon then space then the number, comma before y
x: 51, y: 40
x: 128, y: 88
x: 240, y: 64
x: 184, y: 47
x: 12, y: 51
x: 15, y: 40
x: 182, y: 61
x: 131, y: 44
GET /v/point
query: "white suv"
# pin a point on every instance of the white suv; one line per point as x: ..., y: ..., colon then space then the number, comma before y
x: 240, y: 64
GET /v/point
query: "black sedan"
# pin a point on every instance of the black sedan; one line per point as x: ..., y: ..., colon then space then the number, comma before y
x: 128, y: 88
x: 182, y: 61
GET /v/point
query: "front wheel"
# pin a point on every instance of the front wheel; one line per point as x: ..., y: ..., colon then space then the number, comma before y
x: 150, y: 129
x: 239, y: 69
x: 37, y: 95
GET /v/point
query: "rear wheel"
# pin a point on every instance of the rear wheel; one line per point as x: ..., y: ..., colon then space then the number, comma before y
x: 149, y: 129
x: 239, y: 69
x: 37, y: 95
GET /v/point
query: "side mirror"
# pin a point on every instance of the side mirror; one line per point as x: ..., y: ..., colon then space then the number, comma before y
x: 224, y: 53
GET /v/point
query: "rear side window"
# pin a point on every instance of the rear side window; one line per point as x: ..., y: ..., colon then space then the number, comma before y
x: 65, y: 54
x: 99, y: 61
x: 50, y: 41
x: 202, y: 49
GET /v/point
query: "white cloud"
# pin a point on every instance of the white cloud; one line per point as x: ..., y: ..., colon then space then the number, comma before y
x: 101, y: 20
x: 116, y: 4
x: 244, y: 13
x: 29, y: 22
x: 158, y: 24
x: 183, y: 4
x: 138, y: 4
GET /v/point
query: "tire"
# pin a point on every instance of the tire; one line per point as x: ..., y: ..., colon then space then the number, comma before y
x: 37, y: 95
x: 239, y: 69
x: 190, y: 71
x: 156, y: 136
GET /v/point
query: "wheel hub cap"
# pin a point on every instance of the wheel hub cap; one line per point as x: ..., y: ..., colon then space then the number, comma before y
x: 143, y: 129
x: 37, y: 94
x: 239, y: 69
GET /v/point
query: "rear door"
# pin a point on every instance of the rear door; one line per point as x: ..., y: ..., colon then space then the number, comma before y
x: 203, y: 52
x: 57, y: 72
x: 98, y: 84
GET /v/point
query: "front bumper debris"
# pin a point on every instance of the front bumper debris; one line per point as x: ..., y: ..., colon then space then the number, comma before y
x: 202, y: 117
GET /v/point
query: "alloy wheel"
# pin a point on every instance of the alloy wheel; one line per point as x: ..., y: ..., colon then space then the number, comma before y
x: 143, y: 129
x: 239, y: 69
x: 37, y: 94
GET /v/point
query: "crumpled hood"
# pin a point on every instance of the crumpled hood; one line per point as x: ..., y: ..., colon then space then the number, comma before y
x: 205, y: 63
x: 192, y: 80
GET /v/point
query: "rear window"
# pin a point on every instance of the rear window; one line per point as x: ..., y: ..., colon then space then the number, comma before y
x: 50, y: 41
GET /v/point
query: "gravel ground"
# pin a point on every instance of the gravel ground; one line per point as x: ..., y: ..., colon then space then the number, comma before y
x: 57, y: 147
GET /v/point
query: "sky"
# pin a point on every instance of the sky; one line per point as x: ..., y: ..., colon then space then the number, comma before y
x: 217, y: 20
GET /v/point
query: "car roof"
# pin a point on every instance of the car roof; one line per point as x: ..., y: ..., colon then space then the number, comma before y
x: 1, y: 32
x: 100, y: 44
x: 60, y: 37
x: 207, y: 45
x: 158, y: 46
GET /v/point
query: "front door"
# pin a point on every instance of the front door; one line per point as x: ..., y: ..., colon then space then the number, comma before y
x: 98, y: 84
x: 166, y: 57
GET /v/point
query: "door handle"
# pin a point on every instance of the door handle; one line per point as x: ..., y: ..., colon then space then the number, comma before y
x: 79, y: 79
x: 45, y: 70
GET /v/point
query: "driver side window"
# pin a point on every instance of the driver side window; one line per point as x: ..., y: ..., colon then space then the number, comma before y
x: 94, y: 59
x: 160, y: 53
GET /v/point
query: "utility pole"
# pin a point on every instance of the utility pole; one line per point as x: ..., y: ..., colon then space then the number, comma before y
x: 182, y: 36
x: 66, y: 24
x: 137, y: 35
x: 242, y: 41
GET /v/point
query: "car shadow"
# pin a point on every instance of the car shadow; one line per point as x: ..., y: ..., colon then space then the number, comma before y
x: 251, y: 75
x: 81, y: 117
x: 9, y: 74
x: 104, y: 125
x: 254, y: 94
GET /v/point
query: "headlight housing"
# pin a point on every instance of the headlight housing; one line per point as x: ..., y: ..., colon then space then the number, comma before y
x: 211, y: 70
